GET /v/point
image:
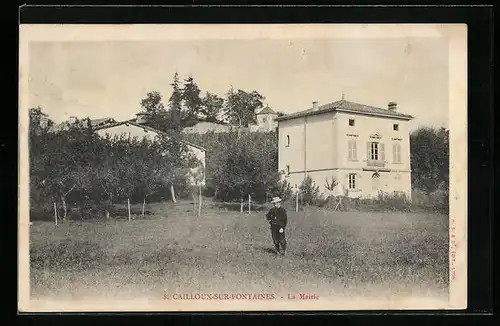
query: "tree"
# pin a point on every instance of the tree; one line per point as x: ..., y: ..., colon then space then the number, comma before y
x: 176, y: 159
x: 192, y: 101
x: 175, y: 105
x: 39, y: 122
x: 66, y: 162
x: 245, y: 167
x: 152, y: 103
x: 430, y: 158
x: 150, y: 176
x: 330, y: 185
x: 240, y: 106
x: 212, y: 106
x: 108, y: 173
x: 38, y: 159
x: 309, y: 190
x: 157, y: 116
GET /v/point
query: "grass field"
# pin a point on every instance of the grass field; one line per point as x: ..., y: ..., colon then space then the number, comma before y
x: 329, y: 253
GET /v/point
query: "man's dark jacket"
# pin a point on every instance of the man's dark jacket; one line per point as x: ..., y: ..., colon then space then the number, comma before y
x: 277, y: 217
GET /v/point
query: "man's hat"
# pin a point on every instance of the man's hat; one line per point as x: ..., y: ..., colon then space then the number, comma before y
x: 276, y: 200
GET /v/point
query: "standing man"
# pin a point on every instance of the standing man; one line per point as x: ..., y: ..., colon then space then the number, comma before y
x: 278, y: 219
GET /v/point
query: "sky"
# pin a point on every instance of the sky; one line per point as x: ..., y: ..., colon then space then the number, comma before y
x: 109, y: 78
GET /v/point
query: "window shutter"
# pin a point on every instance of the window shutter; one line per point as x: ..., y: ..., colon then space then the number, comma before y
x: 382, y: 151
x: 354, y: 150
x: 368, y: 156
x: 394, y: 153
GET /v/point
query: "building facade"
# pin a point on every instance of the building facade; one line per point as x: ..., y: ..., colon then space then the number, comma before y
x: 364, y: 148
x: 266, y: 120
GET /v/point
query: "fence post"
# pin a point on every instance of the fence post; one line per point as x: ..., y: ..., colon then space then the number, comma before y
x: 55, y: 212
x: 249, y: 203
x: 128, y: 205
x: 199, y: 202
x: 297, y: 201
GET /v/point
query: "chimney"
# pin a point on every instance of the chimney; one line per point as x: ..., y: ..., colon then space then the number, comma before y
x: 315, y: 105
x: 392, y: 106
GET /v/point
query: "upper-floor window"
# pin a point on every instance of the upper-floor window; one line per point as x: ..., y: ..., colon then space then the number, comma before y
x: 351, y: 122
x: 287, y: 140
x: 352, y: 148
x: 395, y: 127
x: 396, y: 150
x: 264, y: 119
x: 375, y: 151
x: 352, y: 180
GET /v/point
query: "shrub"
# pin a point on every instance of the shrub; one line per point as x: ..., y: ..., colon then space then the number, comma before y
x: 309, y: 192
x: 383, y: 202
x: 396, y: 201
x: 436, y: 201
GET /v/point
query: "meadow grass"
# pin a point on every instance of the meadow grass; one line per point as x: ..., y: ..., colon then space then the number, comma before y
x: 172, y: 250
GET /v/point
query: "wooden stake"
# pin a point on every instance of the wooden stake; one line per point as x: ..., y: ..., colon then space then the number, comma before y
x: 143, y: 205
x: 194, y: 201
x: 199, y: 203
x: 128, y: 204
x: 249, y: 203
x: 241, y: 205
x: 55, y: 212
x: 297, y: 202
x: 340, y: 200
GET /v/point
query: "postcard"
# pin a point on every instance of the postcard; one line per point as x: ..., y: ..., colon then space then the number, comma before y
x: 242, y: 167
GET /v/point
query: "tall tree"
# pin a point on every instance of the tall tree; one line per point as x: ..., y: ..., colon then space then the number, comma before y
x: 152, y: 103
x: 156, y: 113
x: 191, y: 98
x: 212, y: 106
x: 430, y: 158
x: 241, y: 105
x: 175, y: 105
x: 39, y: 122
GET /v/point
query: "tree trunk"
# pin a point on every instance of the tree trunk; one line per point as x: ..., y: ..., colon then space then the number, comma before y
x: 143, y: 206
x: 65, y: 210
x: 172, y: 192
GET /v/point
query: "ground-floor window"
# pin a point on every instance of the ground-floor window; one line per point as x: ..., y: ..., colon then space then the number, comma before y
x: 352, y: 180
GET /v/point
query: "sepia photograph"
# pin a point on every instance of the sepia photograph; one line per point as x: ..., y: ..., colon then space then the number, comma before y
x: 242, y: 167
